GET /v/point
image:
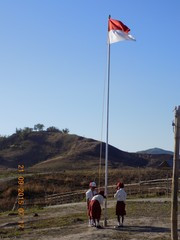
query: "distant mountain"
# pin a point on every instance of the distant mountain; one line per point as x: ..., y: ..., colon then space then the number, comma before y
x: 156, y: 151
x: 48, y: 150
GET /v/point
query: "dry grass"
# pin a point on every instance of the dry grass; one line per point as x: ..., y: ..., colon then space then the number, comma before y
x: 37, y: 186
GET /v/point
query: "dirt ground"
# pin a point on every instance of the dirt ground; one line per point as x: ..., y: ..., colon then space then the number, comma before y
x: 135, y: 228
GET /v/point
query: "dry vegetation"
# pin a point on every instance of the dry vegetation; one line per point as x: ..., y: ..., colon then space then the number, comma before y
x: 59, y: 150
x: 144, y: 220
x: 39, y: 185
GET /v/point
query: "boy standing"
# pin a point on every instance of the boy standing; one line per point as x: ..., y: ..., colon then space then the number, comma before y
x: 120, y: 196
x: 89, y: 195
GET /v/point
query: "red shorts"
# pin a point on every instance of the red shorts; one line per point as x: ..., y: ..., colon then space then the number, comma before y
x: 95, y: 209
x: 120, y: 208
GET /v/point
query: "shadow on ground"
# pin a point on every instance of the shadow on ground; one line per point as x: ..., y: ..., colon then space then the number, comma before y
x: 142, y: 229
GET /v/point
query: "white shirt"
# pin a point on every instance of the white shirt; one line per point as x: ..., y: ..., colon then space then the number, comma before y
x: 90, y: 194
x: 120, y: 195
x: 99, y: 198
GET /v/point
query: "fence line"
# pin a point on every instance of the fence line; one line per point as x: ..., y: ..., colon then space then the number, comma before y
x: 157, y: 187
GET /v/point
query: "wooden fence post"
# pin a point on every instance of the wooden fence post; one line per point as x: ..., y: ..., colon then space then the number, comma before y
x: 174, y: 200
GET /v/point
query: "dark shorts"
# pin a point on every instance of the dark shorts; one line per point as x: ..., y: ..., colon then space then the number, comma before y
x: 120, y: 208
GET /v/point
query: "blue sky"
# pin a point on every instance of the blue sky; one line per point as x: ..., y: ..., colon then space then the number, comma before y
x: 53, y: 68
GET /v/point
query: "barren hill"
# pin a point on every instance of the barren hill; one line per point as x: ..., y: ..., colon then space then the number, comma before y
x: 156, y: 151
x: 56, y: 150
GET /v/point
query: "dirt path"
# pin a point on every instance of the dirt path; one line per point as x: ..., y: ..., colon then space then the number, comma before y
x: 134, y: 229
x: 141, y: 227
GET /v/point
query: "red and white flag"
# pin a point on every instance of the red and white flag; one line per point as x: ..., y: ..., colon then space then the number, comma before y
x: 117, y: 31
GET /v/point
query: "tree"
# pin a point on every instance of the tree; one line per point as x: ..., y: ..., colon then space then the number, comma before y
x: 18, y: 131
x: 65, y: 130
x: 52, y: 129
x: 23, y: 133
x: 39, y: 127
x: 27, y: 130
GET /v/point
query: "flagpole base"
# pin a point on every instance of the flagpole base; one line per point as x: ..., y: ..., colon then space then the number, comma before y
x: 105, y: 222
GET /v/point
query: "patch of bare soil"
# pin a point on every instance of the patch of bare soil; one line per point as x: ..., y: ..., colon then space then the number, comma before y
x: 135, y: 228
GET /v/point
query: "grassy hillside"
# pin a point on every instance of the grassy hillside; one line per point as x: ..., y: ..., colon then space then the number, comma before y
x: 57, y: 162
x: 61, y: 151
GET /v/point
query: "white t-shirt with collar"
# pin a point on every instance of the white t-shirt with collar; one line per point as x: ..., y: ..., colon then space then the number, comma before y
x: 99, y: 198
x: 120, y: 195
x: 90, y: 194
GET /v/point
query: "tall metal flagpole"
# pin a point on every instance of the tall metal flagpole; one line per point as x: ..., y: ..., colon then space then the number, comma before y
x: 126, y: 37
x: 107, y: 131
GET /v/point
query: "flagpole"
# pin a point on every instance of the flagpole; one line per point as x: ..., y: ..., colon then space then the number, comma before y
x: 120, y: 32
x: 107, y: 131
